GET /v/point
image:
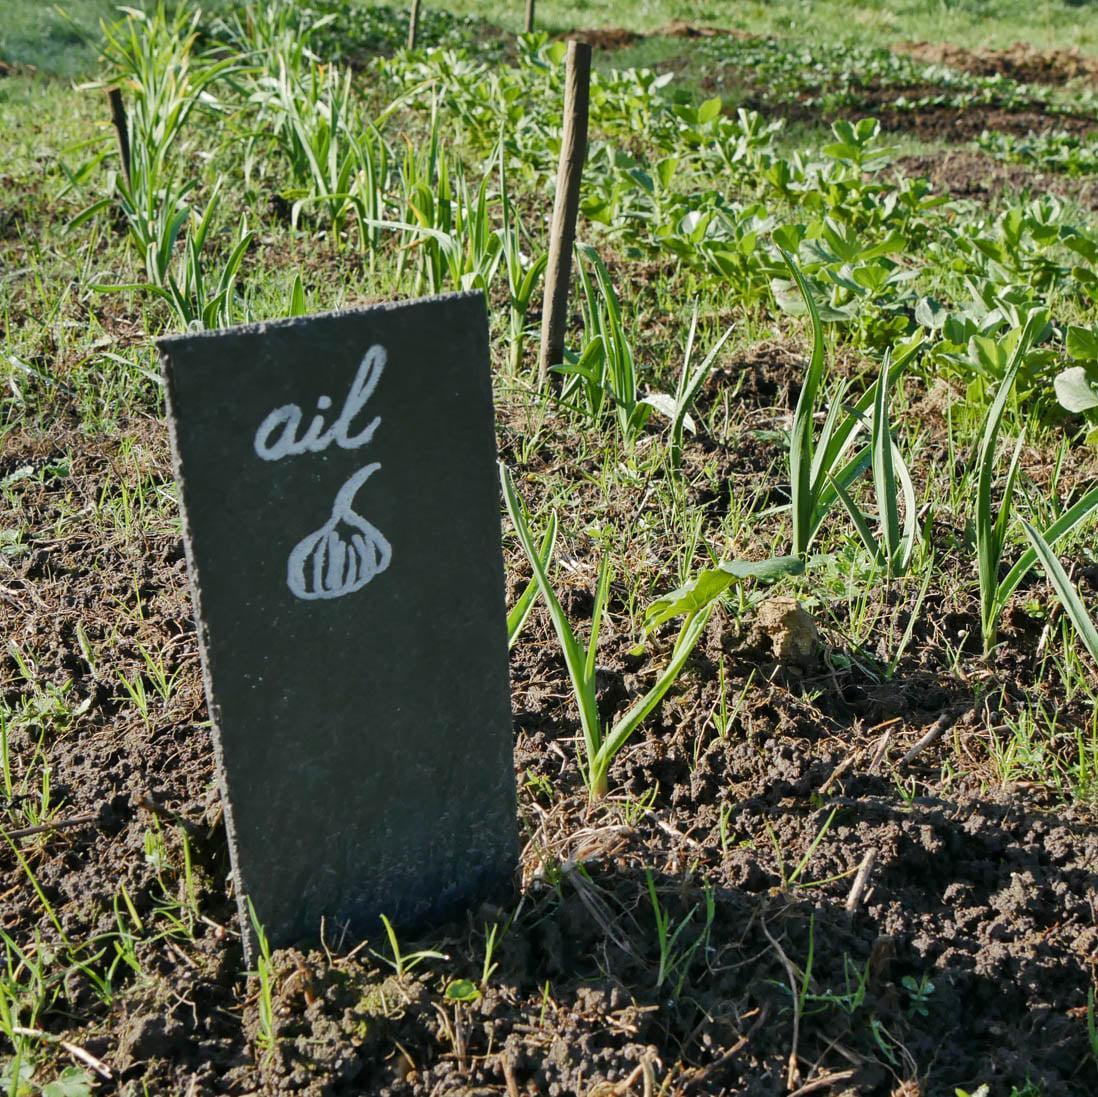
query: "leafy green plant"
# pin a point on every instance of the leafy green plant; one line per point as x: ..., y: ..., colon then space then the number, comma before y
x: 601, y: 744
x: 919, y: 992
x: 450, y: 230
x: 338, y: 160
x: 702, y: 592
x: 606, y: 370
x: 152, y: 56
x: 180, y: 277
x: 1077, y: 386
x: 269, y: 31
x: 991, y: 527
x: 677, y: 408
x: 522, y: 272
x: 71, y: 1082
x: 1059, y: 151
x: 465, y: 990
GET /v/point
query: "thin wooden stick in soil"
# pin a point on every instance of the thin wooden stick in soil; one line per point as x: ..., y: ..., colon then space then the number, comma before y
x: 529, y: 25
x: 940, y: 726
x: 413, y: 24
x: 857, y: 891
x: 121, y: 127
x: 562, y: 232
x: 60, y: 824
x: 74, y: 1050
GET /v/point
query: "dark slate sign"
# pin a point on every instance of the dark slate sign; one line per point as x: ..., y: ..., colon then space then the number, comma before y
x: 341, y: 518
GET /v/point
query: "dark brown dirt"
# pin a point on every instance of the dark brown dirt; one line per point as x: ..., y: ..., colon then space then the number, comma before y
x: 964, y: 123
x: 607, y: 38
x: 933, y: 122
x: 986, y: 900
x: 1022, y: 62
x: 965, y: 173
x: 612, y: 38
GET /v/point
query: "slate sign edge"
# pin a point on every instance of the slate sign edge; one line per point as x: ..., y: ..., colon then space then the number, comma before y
x: 164, y: 345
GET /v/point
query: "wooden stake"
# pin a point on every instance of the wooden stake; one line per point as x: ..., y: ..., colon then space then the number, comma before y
x: 562, y: 233
x: 857, y: 891
x: 413, y: 25
x: 529, y: 16
x: 121, y: 127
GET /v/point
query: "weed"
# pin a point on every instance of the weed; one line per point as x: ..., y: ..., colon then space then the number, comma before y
x: 676, y: 957
x: 265, y: 1032
x: 401, y: 962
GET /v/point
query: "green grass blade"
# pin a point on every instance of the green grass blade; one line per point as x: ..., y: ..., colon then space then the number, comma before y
x: 1073, y: 517
x: 988, y: 548
x: 884, y: 470
x: 1065, y: 590
x: 872, y: 546
x: 624, y: 727
x: 689, y: 385
x: 602, y: 592
x: 901, y: 560
x: 522, y: 609
x: 844, y: 478
x: 801, y: 437
x: 574, y: 657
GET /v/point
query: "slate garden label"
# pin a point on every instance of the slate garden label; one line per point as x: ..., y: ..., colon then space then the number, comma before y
x: 339, y: 493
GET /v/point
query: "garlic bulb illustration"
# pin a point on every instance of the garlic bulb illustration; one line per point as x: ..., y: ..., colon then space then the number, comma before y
x: 344, y: 554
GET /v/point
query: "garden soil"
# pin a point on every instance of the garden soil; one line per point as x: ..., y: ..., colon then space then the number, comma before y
x: 966, y: 958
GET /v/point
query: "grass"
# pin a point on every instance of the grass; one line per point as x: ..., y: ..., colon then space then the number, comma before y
x: 62, y: 39
x: 850, y: 336
x: 972, y: 24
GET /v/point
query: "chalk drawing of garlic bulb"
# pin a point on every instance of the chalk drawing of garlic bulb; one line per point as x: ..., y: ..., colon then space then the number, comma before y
x: 344, y: 554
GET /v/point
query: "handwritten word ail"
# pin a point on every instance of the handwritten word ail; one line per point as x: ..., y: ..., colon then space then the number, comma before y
x: 285, y: 421
x: 347, y: 551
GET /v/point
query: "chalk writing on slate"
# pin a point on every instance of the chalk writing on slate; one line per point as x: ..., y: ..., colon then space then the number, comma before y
x: 338, y: 486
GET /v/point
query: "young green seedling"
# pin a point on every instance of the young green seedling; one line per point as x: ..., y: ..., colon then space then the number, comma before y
x: 265, y: 1034
x: 991, y: 526
x: 606, y: 369
x: 1065, y: 591
x: 893, y: 544
x: 677, y: 408
x: 821, y: 467
x: 522, y: 274
x: 601, y: 745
